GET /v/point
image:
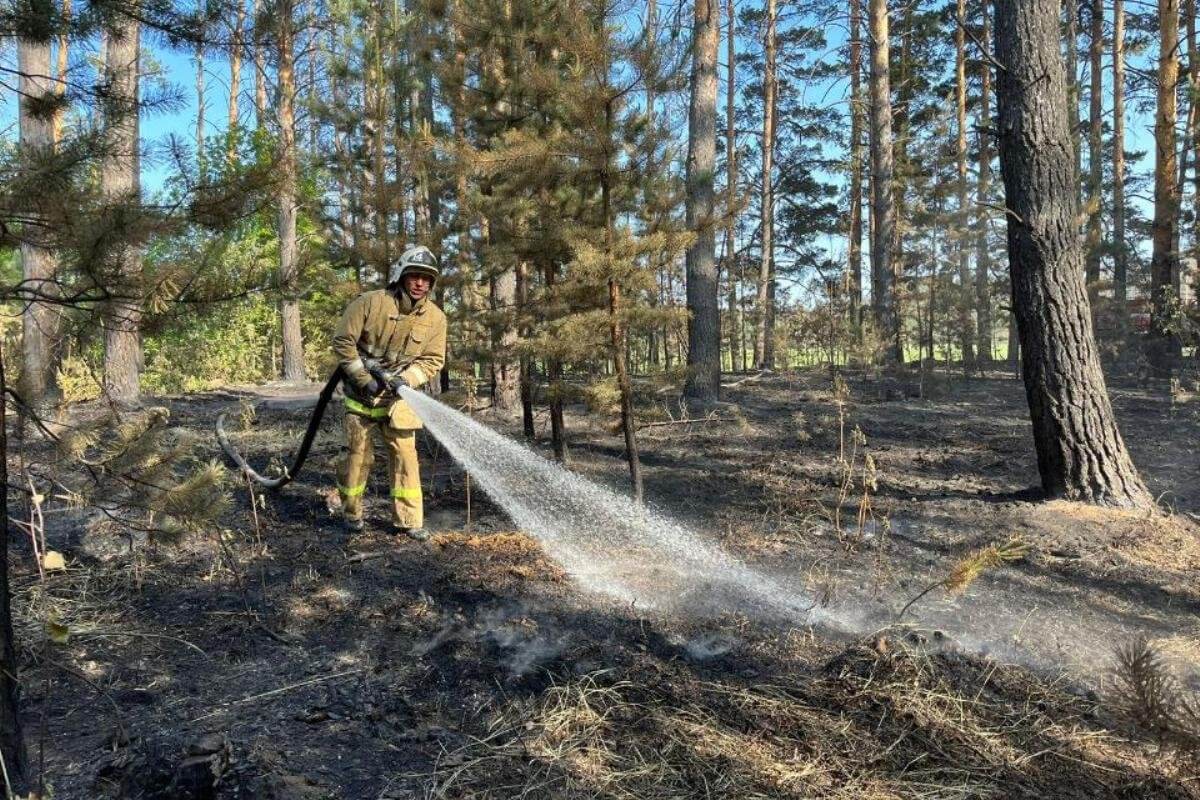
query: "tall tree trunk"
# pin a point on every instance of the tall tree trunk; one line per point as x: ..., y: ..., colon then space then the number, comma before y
x: 260, y: 66
x: 554, y: 379
x: 1164, y: 260
x: 704, y: 326
x: 64, y: 61
x: 40, y: 321
x: 237, y: 46
x: 764, y: 357
x: 289, y: 265
x: 857, y: 107
x: 1094, y: 243
x: 1080, y: 452
x: 1071, y: 42
x: 737, y: 354
x: 506, y: 369
x: 983, y: 253
x: 1194, y: 75
x: 966, y: 328
x: 883, y: 203
x: 526, y: 361
x: 12, y: 742
x: 375, y: 94
x: 201, y: 161
x: 119, y: 181
x: 1120, y: 246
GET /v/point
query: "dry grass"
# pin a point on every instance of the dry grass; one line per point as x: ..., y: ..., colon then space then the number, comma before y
x: 884, y: 722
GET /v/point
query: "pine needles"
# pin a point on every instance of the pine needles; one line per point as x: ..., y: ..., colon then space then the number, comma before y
x: 1151, y: 701
x: 970, y: 567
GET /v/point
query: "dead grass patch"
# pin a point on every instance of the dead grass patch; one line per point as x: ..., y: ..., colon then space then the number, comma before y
x: 874, y: 722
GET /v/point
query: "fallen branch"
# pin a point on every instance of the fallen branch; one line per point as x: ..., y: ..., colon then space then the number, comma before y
x: 697, y: 421
x: 280, y: 690
x: 747, y: 379
x: 358, y: 558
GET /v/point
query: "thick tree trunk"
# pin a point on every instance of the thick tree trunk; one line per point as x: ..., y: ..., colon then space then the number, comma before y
x: 1094, y: 242
x: 983, y: 253
x: 119, y: 182
x: 1120, y: 246
x: 704, y: 326
x: 1164, y: 260
x: 764, y: 356
x: 12, y: 742
x: 1080, y: 452
x: 289, y: 265
x: 857, y: 107
x: 966, y: 323
x: 883, y: 203
x: 40, y: 321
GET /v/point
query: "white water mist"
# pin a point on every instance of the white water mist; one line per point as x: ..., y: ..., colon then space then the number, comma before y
x: 606, y: 541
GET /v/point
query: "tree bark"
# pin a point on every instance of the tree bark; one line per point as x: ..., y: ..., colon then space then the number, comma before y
x: 12, y: 741
x: 119, y: 182
x: 201, y: 165
x: 237, y: 44
x: 883, y: 202
x: 737, y: 354
x: 1194, y: 73
x: 1071, y: 41
x: 526, y: 361
x: 966, y: 326
x: 289, y: 266
x: 764, y: 356
x: 1094, y: 242
x: 1120, y: 246
x: 506, y: 369
x: 260, y: 67
x: 1081, y: 455
x: 1164, y: 260
x: 704, y: 326
x: 856, y: 166
x: 983, y: 253
x: 40, y: 320
x: 64, y: 61
x: 554, y: 375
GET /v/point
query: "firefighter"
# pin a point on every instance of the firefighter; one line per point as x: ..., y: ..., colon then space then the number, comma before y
x: 388, y: 339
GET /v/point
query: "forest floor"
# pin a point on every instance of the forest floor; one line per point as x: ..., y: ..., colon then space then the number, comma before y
x: 286, y: 658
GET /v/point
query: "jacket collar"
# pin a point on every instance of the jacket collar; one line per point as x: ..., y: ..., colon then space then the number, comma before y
x: 406, y: 304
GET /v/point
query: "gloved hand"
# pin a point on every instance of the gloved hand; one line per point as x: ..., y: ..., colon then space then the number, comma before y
x: 397, y: 384
x: 372, y: 387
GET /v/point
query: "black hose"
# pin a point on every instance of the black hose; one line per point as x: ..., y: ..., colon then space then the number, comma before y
x: 288, y: 475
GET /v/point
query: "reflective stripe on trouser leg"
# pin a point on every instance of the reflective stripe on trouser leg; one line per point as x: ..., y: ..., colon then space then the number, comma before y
x: 405, y: 470
x: 356, y: 466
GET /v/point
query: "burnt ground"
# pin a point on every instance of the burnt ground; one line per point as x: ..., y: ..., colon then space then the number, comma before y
x: 281, y: 657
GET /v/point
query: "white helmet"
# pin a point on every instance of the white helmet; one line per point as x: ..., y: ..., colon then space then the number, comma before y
x: 418, y: 259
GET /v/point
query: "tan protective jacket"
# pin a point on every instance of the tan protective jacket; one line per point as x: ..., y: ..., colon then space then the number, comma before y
x: 408, y: 339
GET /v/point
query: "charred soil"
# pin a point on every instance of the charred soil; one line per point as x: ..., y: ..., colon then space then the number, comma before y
x: 283, y: 657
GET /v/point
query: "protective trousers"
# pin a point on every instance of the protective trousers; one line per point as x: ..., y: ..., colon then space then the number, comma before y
x: 403, y: 468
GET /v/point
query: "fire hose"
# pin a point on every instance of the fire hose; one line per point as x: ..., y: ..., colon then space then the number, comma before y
x: 314, y: 422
